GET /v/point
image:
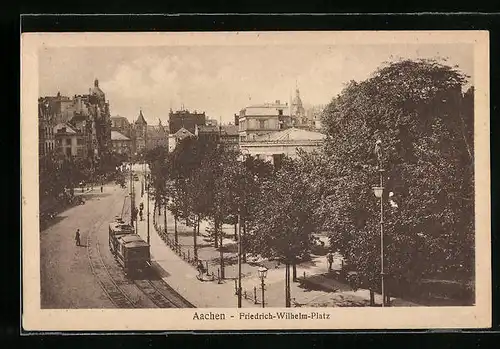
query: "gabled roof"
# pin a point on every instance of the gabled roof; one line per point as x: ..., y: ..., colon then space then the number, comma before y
x: 292, y: 134
x: 68, y: 129
x: 117, y: 136
x: 183, y: 133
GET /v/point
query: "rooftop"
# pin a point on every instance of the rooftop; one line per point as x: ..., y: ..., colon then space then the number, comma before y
x: 118, y: 117
x: 268, y: 105
x: 117, y: 136
x: 64, y: 128
x: 230, y: 130
x: 183, y: 133
x: 207, y: 128
x: 292, y: 134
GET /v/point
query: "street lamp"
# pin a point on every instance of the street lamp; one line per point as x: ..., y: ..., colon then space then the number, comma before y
x: 239, y: 260
x: 262, y: 274
x: 147, y: 193
x: 379, y: 191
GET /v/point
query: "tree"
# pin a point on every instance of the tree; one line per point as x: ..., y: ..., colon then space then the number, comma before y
x: 283, y: 225
x: 425, y: 122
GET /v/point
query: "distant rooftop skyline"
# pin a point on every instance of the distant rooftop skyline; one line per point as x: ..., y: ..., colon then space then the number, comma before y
x: 222, y: 80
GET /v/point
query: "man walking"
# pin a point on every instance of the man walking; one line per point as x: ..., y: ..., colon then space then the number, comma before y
x: 329, y: 258
x: 77, y: 237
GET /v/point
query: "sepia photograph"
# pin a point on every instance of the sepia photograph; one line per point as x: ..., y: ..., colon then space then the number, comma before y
x: 255, y: 180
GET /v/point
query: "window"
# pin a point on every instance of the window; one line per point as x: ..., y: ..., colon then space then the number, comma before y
x: 79, y: 141
x: 262, y: 124
x: 68, y: 141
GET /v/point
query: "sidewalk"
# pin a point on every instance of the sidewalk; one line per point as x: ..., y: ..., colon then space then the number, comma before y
x: 181, y: 276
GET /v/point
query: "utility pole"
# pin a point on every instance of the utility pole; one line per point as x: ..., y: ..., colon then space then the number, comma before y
x: 165, y: 216
x: 131, y: 195
x: 239, y: 261
x: 382, y: 238
x: 147, y: 193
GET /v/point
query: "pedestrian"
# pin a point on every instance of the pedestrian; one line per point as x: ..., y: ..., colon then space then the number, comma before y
x: 329, y: 258
x: 101, y: 188
x: 201, y: 268
x: 77, y: 237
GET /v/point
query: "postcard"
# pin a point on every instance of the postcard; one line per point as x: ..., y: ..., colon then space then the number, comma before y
x: 255, y: 180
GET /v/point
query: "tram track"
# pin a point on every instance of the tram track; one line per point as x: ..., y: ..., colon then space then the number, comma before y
x: 156, y: 296
x: 117, y: 296
x: 114, y: 286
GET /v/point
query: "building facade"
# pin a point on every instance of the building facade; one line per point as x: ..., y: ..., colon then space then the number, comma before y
x: 140, y: 134
x: 174, y: 139
x: 274, y: 146
x: 257, y: 120
x: 87, y: 115
x: 121, y: 144
x: 229, y: 136
x: 122, y: 125
x: 70, y: 142
x: 185, y: 119
x: 47, y: 119
x: 209, y: 133
x: 157, y: 136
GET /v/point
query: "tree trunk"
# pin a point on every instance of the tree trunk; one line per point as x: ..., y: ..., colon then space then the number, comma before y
x: 165, y: 218
x: 176, y: 238
x: 294, y: 268
x: 221, y: 245
x: 372, y: 298
x: 286, y: 286
x: 243, y: 244
x: 288, y: 301
x: 235, y: 231
x: 195, y: 246
x: 198, y: 225
x: 216, y: 235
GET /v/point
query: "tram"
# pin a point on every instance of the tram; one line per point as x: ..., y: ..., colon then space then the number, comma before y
x: 117, y: 229
x: 133, y: 253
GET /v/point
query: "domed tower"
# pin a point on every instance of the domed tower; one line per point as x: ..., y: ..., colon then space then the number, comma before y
x: 297, y: 110
x: 99, y: 116
x: 98, y: 96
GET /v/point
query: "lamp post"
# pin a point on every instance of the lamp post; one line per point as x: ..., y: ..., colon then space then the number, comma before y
x: 379, y: 193
x: 143, y: 179
x: 239, y: 261
x: 131, y: 194
x: 147, y: 193
x: 262, y: 274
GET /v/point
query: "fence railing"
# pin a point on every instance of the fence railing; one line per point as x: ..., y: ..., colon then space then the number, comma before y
x: 185, y: 253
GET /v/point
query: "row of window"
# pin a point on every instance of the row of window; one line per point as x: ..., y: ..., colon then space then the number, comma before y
x: 260, y: 124
x: 46, y: 148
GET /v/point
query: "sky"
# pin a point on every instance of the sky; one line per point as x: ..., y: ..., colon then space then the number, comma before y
x: 222, y: 80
